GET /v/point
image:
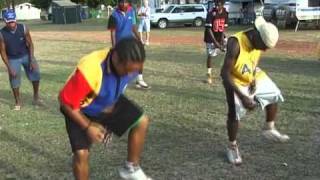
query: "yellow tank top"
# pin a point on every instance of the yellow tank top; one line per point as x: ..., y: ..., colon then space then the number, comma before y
x: 243, y: 72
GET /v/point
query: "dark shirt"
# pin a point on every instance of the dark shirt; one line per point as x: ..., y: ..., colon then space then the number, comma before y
x: 15, y: 41
x: 216, y: 22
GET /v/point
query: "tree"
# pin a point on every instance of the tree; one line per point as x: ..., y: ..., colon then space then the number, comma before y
x: 41, y: 4
x: 96, y: 3
x: 10, y: 3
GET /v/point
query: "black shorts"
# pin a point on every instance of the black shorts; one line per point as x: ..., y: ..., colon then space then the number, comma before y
x: 125, y: 115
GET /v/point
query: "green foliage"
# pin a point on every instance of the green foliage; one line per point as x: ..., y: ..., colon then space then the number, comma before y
x: 79, y: 1
x: 42, y: 4
x: 110, y: 2
x: 96, y: 3
x: 6, y: 3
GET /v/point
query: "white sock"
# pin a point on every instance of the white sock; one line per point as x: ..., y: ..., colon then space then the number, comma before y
x: 270, y: 125
x: 131, y: 165
x: 233, y: 143
x: 140, y: 77
x: 209, y: 70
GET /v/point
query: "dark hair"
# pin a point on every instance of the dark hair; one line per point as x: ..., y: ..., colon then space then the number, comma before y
x: 123, y: 1
x: 130, y: 49
x: 219, y: 1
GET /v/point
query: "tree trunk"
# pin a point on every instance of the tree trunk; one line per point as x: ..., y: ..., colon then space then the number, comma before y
x: 13, y: 5
x: 8, y: 4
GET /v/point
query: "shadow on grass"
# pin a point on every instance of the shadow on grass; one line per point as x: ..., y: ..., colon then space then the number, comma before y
x: 29, y: 149
x: 61, y: 63
x: 8, y: 137
x: 183, y: 152
x: 184, y: 92
x: 305, y: 105
x: 175, y: 56
x: 57, y: 77
x: 7, y: 98
x: 291, y: 66
x: 9, y: 171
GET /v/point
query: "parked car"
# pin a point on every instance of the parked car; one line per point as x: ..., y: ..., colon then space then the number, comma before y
x: 194, y: 14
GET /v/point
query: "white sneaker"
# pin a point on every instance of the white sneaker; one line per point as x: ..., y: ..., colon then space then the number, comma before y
x: 133, y: 173
x: 147, y: 43
x: 233, y: 155
x: 275, y: 135
x: 141, y: 84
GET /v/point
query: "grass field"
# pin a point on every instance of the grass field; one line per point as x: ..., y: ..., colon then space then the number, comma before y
x: 187, y: 137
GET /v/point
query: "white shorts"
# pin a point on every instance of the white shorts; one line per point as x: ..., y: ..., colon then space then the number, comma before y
x: 266, y: 93
x: 144, y: 25
x: 212, y: 50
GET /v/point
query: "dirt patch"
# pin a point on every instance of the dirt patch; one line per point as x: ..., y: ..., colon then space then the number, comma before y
x: 297, y: 47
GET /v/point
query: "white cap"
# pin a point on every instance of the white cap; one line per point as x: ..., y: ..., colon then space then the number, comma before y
x: 268, y: 32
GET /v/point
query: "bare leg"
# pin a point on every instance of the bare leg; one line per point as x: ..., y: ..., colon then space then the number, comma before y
x: 232, y: 127
x: 141, y: 37
x: 209, y: 62
x: 16, y: 95
x: 148, y: 36
x: 271, y: 112
x: 271, y: 133
x: 81, y: 164
x: 35, y: 85
x: 232, y: 122
x: 136, y: 141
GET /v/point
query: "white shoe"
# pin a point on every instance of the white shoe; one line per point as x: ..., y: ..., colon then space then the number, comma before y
x: 147, y: 43
x: 233, y: 155
x: 141, y: 84
x: 275, y: 135
x: 133, y: 173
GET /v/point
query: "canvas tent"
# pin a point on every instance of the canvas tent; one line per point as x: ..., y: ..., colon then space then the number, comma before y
x: 65, y: 12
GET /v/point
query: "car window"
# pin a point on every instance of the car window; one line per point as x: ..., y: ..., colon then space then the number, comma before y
x: 168, y: 9
x: 193, y: 9
x: 189, y: 9
x: 198, y: 9
x: 178, y: 10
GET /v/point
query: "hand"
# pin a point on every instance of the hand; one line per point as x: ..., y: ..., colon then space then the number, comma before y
x: 222, y: 49
x: 252, y: 87
x: 96, y: 132
x: 12, y: 73
x: 32, y: 64
x: 248, y: 103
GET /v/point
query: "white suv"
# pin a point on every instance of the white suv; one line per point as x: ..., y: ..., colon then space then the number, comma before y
x: 180, y: 14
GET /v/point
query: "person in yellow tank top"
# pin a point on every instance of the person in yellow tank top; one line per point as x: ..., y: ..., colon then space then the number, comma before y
x: 247, y: 86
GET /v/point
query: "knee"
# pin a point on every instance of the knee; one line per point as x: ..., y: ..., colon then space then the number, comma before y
x: 143, y: 123
x: 81, y: 156
x: 231, y: 117
x: 232, y: 120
